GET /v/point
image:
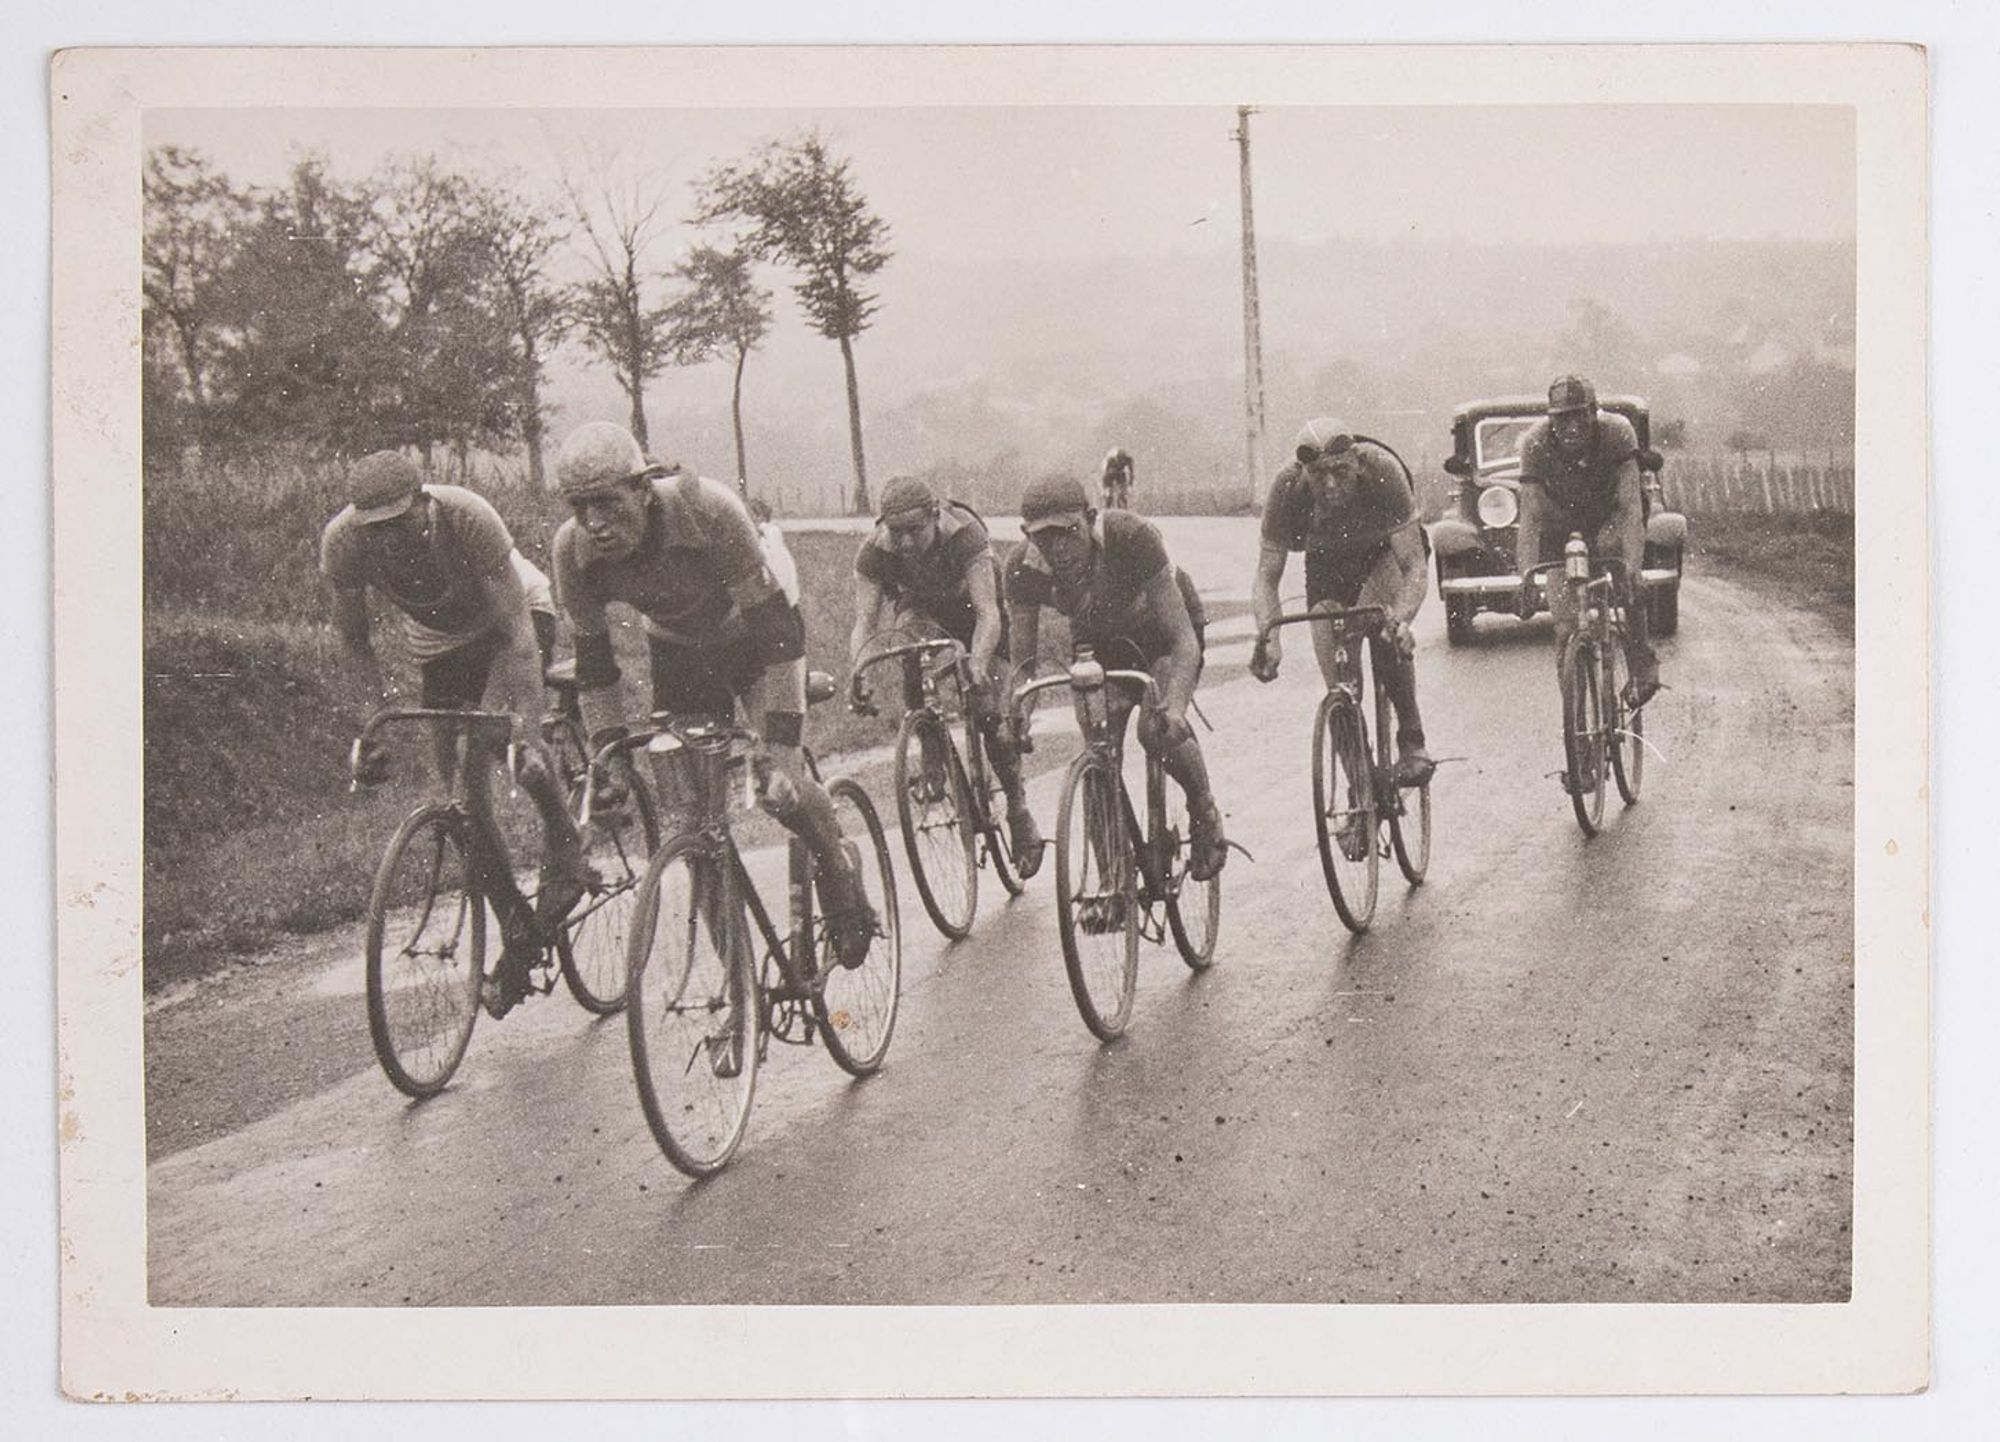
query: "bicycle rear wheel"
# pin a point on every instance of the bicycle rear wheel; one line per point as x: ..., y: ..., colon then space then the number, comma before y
x: 593, y: 942
x: 1344, y: 809
x: 1194, y: 908
x: 1097, y: 896
x: 693, y: 1018
x: 1583, y: 732
x: 934, y: 806
x: 426, y: 951
x: 1625, y: 731
x: 856, y: 1005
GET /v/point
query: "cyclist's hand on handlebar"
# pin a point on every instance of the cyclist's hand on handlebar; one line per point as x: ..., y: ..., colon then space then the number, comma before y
x: 1398, y: 634
x: 1024, y: 738
x: 1265, y: 656
x: 860, y: 700
x: 371, y: 764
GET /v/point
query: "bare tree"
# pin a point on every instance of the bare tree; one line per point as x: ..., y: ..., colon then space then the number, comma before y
x: 521, y: 236
x: 720, y: 310
x: 799, y: 205
x: 191, y: 221
x: 620, y: 223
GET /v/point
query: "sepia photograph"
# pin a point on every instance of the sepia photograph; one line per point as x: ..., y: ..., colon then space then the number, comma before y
x: 931, y: 700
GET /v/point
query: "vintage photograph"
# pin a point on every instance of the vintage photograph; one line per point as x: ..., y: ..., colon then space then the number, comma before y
x: 998, y: 705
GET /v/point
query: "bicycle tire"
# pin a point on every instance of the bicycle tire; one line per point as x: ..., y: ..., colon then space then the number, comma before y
x: 1413, y: 853
x: 937, y: 824
x: 1194, y: 908
x: 423, y: 991
x: 1342, y: 770
x: 694, y: 1006
x: 1625, y: 731
x: 1583, y: 732
x: 999, y: 841
x: 1097, y: 897
x: 856, y: 1006
x: 592, y: 942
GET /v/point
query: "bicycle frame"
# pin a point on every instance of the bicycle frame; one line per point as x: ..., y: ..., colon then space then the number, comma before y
x: 921, y: 689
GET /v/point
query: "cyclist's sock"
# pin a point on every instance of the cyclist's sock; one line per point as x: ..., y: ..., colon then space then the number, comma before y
x: 1396, y: 674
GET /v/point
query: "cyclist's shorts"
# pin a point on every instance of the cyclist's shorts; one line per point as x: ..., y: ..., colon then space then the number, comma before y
x: 1337, y: 577
x: 701, y: 680
x: 1131, y: 653
x: 456, y: 681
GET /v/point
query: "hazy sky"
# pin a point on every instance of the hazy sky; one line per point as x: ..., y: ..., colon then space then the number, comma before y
x: 1076, y: 182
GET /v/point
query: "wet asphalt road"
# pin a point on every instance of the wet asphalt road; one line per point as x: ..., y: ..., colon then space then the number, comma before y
x: 1563, y: 1070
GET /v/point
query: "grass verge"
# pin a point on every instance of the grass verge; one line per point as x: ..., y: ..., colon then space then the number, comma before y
x: 1807, y: 560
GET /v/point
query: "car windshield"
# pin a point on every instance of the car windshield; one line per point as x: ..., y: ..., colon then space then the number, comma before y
x: 1498, y: 439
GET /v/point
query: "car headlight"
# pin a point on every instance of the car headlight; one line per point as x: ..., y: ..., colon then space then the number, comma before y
x: 1498, y: 507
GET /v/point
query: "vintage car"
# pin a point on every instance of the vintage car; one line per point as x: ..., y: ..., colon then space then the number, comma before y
x: 1475, y: 539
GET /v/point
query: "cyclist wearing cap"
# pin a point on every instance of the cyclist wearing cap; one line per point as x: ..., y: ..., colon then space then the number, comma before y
x: 1580, y: 474
x: 933, y: 562
x: 1118, y: 477
x: 443, y: 557
x: 682, y: 551
x: 1110, y: 575
x: 1346, y: 502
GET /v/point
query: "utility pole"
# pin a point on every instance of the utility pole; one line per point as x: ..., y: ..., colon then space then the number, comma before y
x: 1253, y: 344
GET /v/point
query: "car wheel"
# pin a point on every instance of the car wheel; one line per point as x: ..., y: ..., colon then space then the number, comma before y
x: 1457, y: 621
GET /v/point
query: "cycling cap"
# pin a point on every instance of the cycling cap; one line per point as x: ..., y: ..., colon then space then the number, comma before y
x: 1116, y: 453
x: 906, y: 493
x: 384, y: 485
x: 1053, y: 501
x: 1571, y: 393
x: 597, y: 456
x: 1322, y: 436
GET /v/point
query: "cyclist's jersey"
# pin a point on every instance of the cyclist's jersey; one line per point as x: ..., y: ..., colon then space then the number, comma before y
x: 436, y: 580
x: 937, y: 585
x: 534, y: 585
x: 700, y: 551
x: 1110, y: 606
x: 1342, y: 524
x: 1582, y: 491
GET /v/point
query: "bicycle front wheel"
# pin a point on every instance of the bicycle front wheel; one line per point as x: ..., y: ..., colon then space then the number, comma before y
x: 1097, y: 895
x: 1194, y: 908
x: 1625, y: 731
x: 426, y: 952
x: 999, y: 841
x: 693, y: 1006
x: 592, y: 944
x: 1344, y: 809
x: 935, y: 808
x: 1583, y: 731
x: 856, y: 1005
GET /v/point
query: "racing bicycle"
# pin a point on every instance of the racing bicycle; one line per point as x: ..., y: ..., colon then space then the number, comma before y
x: 712, y: 977
x: 1115, y: 880
x: 1601, y: 734
x: 1360, y: 814
x: 948, y: 800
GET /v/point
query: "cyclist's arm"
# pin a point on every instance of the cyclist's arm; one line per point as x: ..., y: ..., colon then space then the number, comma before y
x: 1406, y: 550
x: 362, y: 668
x: 1024, y: 628
x: 986, y: 628
x: 599, y: 694
x: 1264, y: 603
x: 868, y: 600
x: 1534, y: 507
x: 1628, y: 516
x: 516, y: 683
x: 1162, y: 596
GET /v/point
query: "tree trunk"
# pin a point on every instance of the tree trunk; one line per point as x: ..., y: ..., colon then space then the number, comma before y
x: 635, y: 389
x: 736, y: 418
x: 862, y: 505
x: 532, y: 430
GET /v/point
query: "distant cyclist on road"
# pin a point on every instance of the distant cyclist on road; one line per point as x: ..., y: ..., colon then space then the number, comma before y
x: 1347, y: 504
x: 1118, y: 478
x: 933, y: 562
x: 1580, y: 473
x: 442, y: 556
x: 1109, y: 573
x: 682, y: 551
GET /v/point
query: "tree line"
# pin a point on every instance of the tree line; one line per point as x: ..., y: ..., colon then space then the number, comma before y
x: 418, y: 307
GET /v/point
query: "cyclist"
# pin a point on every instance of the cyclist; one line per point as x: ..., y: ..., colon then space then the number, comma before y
x: 1346, y: 503
x: 1580, y: 473
x: 933, y: 561
x: 1110, y: 575
x: 443, y: 558
x: 682, y: 551
x: 1118, y: 476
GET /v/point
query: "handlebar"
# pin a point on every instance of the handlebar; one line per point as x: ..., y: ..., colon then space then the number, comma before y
x: 1606, y: 571
x: 1366, y: 619
x: 1088, y: 674
x: 499, y: 723
x: 678, y: 732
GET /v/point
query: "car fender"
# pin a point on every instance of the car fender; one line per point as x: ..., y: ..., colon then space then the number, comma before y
x: 1667, y: 530
x: 1451, y: 537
